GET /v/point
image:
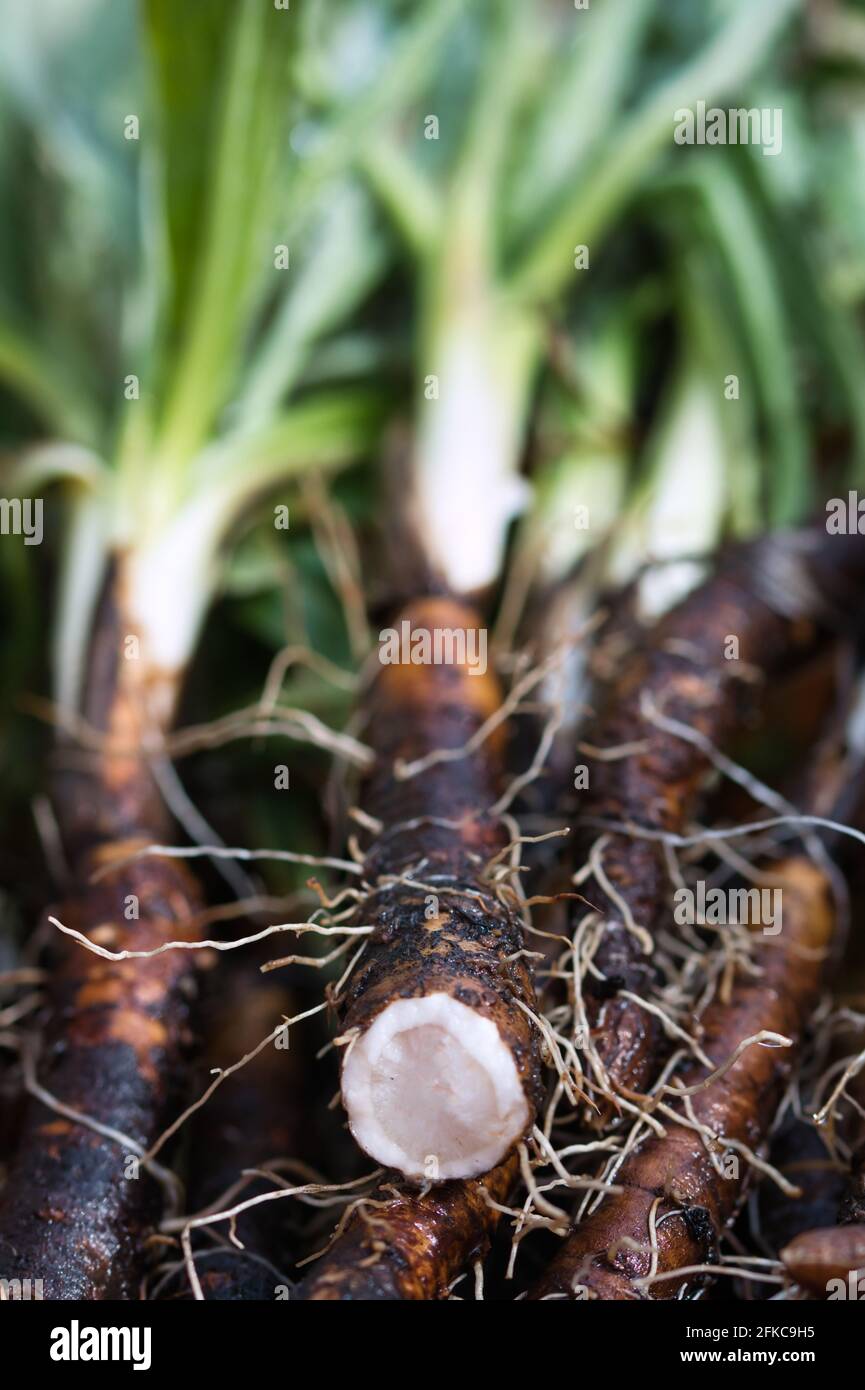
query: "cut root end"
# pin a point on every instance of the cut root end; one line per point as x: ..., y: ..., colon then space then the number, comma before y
x: 432, y: 1090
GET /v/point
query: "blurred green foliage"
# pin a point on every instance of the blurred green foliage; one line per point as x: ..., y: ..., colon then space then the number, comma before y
x: 554, y: 127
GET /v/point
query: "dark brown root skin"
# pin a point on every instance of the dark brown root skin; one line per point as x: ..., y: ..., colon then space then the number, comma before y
x: 255, y: 1118
x: 822, y: 1252
x: 462, y: 953
x: 685, y: 674
x: 674, y: 1174
x: 108, y: 793
x: 467, y: 948
x: 852, y: 1211
x: 463, y: 947
x: 415, y: 1247
x: 232, y: 1276
x: 816, y: 1257
x: 798, y: 1152
x: 12, y: 1105
x: 71, y: 1214
x: 258, y: 1117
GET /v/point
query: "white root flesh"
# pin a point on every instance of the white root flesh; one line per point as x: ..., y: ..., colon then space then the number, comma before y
x: 432, y: 1090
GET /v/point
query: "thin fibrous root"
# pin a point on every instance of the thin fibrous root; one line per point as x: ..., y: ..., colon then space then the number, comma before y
x: 674, y: 707
x: 697, y: 1165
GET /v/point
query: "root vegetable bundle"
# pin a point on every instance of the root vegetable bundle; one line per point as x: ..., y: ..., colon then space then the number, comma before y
x: 462, y: 484
x: 444, y: 924
x: 450, y: 1027
x: 676, y: 1172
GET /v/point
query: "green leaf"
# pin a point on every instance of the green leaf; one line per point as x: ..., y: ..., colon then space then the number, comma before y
x: 324, y: 431
x: 410, y: 61
x: 714, y: 342
x: 235, y: 125
x: 754, y: 282
x: 805, y: 266
x: 187, y: 44
x: 625, y: 161
x: 344, y: 258
x: 405, y: 192
x: 43, y: 385
x: 46, y: 464
x: 582, y: 92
